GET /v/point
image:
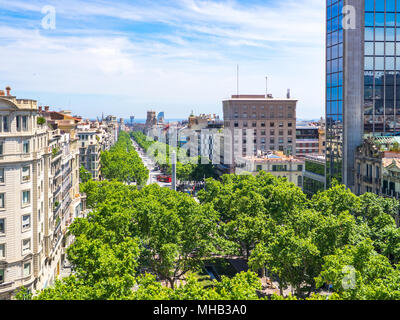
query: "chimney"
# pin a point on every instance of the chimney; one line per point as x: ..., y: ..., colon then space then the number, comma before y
x: 40, y: 108
x: 288, y: 93
x: 8, y: 89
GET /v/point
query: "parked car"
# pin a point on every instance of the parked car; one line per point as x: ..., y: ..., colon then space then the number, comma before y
x: 166, y: 179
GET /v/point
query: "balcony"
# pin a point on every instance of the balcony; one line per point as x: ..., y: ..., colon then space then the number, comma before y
x: 66, y: 173
x: 57, y: 173
x: 391, y: 193
x: 57, y: 191
x: 66, y: 190
x: 55, y: 211
x: 367, y: 179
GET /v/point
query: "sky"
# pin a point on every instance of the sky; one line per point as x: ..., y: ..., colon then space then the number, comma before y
x: 177, y: 56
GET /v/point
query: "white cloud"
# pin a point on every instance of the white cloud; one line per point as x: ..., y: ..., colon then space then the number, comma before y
x: 191, y: 67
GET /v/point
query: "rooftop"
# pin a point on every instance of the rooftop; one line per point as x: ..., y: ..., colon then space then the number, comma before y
x: 272, y: 156
x: 259, y: 97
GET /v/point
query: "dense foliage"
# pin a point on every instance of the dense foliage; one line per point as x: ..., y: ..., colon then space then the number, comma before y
x: 84, y: 175
x: 123, y: 163
x: 303, y: 242
x: 133, y: 238
x: 149, y: 243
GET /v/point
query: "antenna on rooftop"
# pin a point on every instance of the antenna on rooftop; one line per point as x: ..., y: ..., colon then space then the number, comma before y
x: 237, y: 77
x: 266, y: 87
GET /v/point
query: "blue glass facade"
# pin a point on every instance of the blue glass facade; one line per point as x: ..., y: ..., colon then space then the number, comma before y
x: 382, y: 67
x: 380, y: 61
x: 334, y: 89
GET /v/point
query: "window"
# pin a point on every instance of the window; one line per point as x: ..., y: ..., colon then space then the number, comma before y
x: 27, y: 269
x: 26, y: 174
x: 272, y: 124
x: 5, y: 124
x: 279, y: 168
x: 2, y: 180
x: 2, y: 226
x: 1, y: 147
x: 263, y: 124
x: 1, y: 275
x: 272, y: 132
x: 18, y: 120
x: 281, y: 132
x: 2, y: 250
x: 259, y: 168
x: 254, y: 124
x: 289, y: 132
x: 26, y: 222
x: 289, y: 124
x: 2, y: 200
x: 299, y: 168
x: 299, y: 181
x: 26, y: 246
x: 26, y: 197
x: 280, y: 124
x: 26, y: 147
x: 25, y: 123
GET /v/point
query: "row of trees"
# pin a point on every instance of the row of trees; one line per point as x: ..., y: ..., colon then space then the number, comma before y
x: 335, y: 238
x: 123, y: 163
x: 188, y: 169
x: 133, y: 239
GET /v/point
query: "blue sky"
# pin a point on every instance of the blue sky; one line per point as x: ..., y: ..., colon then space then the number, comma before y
x: 125, y: 57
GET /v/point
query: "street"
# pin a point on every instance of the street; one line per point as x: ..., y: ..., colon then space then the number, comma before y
x: 149, y: 163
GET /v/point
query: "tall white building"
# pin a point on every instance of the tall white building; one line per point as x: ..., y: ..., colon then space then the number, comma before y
x: 36, y: 164
x: 23, y: 159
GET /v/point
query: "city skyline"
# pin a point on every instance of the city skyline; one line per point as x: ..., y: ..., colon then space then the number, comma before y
x: 172, y: 56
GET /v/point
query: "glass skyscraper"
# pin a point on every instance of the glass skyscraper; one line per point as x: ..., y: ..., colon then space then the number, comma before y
x: 362, y: 78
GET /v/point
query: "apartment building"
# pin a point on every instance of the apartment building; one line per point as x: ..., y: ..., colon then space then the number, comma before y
x: 39, y: 193
x: 95, y: 137
x: 260, y: 122
x: 23, y: 197
x: 276, y: 163
x: 307, y: 140
x: 201, y: 135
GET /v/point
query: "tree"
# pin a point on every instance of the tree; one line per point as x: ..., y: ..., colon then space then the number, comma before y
x: 356, y: 272
x: 123, y: 163
x: 292, y: 258
x: 176, y: 231
x: 84, y: 175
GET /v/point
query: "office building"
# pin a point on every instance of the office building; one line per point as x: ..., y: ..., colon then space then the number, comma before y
x: 259, y: 123
x: 362, y: 80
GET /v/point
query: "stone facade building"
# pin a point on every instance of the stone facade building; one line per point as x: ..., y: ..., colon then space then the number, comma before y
x: 276, y: 163
x: 260, y: 123
x: 376, y: 166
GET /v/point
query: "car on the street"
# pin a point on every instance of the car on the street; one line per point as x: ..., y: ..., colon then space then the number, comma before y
x: 163, y: 178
